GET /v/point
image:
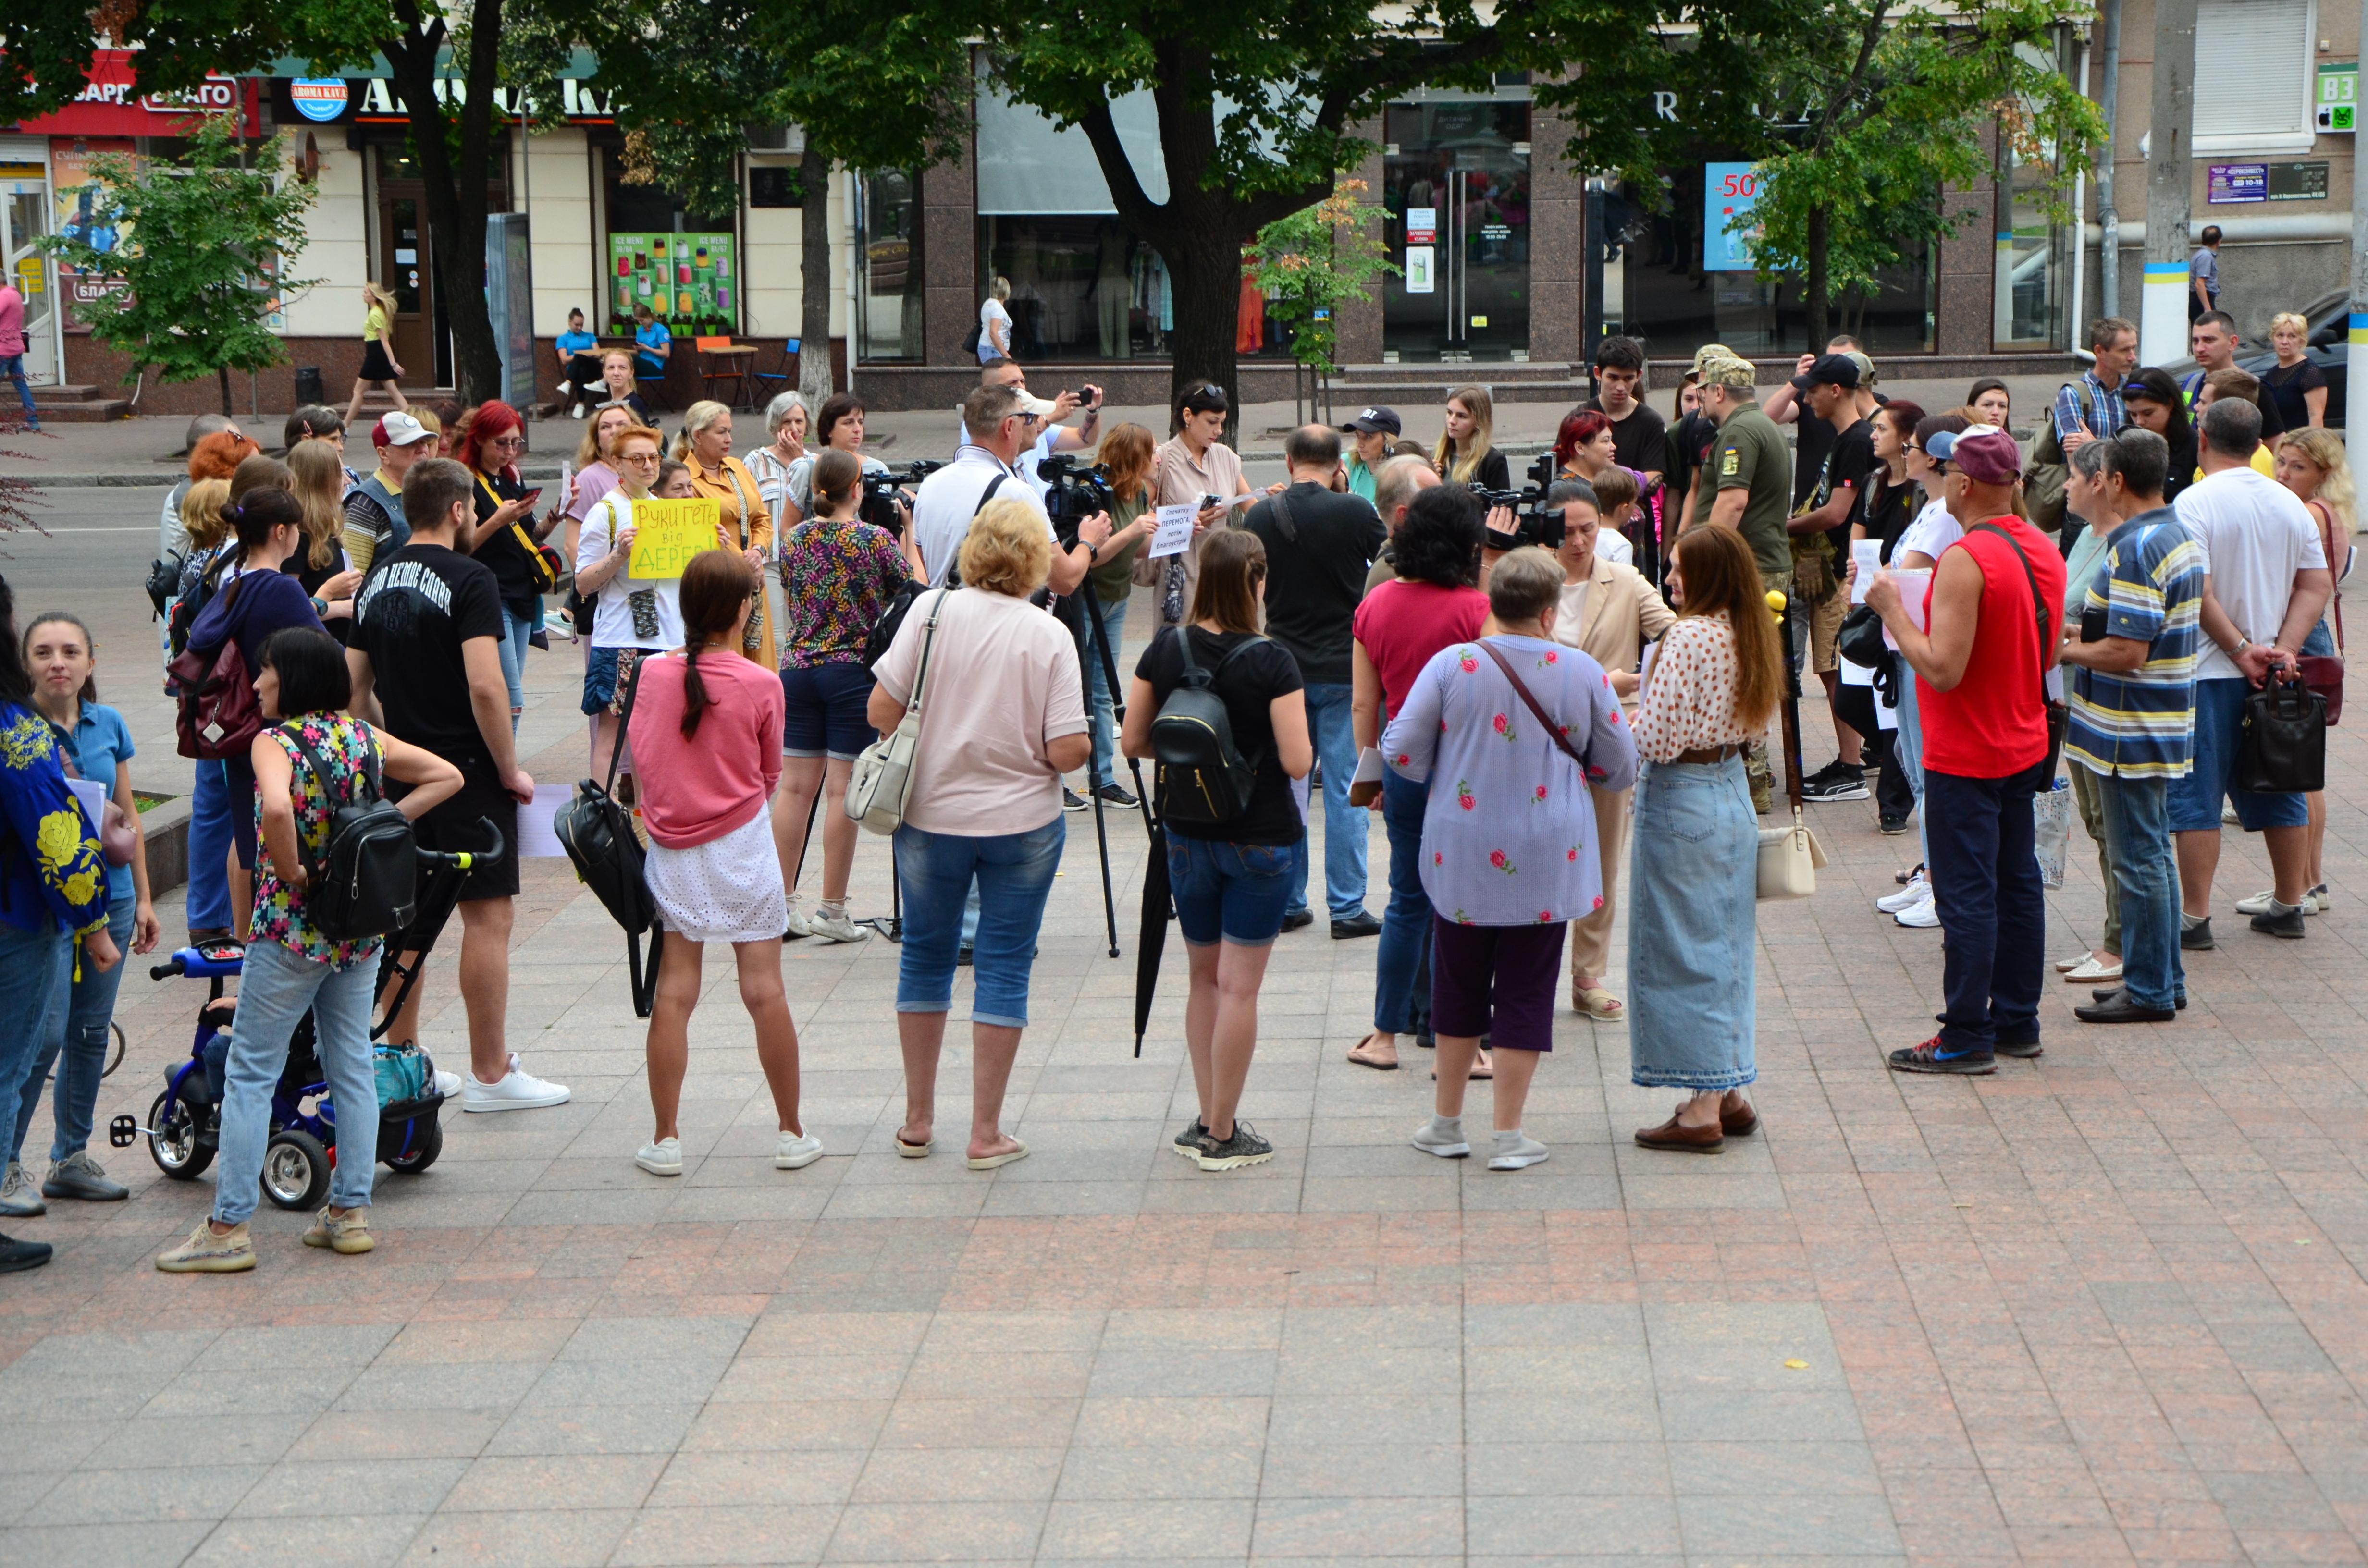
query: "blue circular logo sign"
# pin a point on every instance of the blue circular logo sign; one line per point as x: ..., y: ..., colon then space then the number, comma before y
x: 318, y: 99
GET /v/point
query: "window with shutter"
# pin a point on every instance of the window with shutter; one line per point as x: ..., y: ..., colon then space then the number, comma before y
x: 2253, y: 76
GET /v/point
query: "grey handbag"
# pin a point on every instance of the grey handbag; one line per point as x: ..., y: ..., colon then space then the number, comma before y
x: 883, y: 778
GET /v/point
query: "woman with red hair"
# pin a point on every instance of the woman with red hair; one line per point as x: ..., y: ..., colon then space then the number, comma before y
x: 1583, y: 445
x: 492, y: 438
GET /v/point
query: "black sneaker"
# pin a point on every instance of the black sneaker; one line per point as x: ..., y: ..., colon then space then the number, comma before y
x: 1892, y: 824
x: 1298, y: 919
x: 1116, y: 794
x: 1839, y: 782
x: 961, y: 956
x: 1244, y: 1148
x: 1192, y: 1139
x: 2021, y: 1050
x: 2197, y: 938
x: 2280, y: 920
x: 16, y: 1257
x: 1929, y: 1057
x: 1071, y: 800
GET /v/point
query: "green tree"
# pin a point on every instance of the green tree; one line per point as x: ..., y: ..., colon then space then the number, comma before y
x: 203, y: 261
x: 1892, y: 114
x: 1311, y: 262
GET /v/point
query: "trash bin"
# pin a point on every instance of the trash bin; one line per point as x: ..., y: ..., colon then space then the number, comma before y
x: 308, y: 384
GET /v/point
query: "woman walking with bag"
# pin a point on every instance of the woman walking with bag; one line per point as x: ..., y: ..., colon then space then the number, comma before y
x: 1526, y: 728
x: 1693, y: 882
x: 706, y: 738
x: 1230, y: 878
x: 838, y: 573
x: 993, y: 687
x: 60, y: 654
x: 311, y: 757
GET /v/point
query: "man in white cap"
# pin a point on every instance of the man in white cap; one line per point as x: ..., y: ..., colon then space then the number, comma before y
x: 374, y: 524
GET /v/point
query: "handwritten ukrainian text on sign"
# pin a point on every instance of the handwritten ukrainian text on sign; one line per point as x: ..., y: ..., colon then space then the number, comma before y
x: 667, y: 534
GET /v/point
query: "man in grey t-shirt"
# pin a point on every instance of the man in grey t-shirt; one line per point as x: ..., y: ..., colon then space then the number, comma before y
x: 2203, y: 273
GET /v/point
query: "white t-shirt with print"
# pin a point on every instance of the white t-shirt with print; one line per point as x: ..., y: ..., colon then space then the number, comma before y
x: 613, y: 610
x: 2256, y: 535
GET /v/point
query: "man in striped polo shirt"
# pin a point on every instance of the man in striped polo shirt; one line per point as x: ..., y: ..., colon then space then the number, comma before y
x: 2133, y: 715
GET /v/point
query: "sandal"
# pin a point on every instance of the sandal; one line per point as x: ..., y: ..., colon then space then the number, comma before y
x: 1482, y: 1069
x: 1598, y: 1003
x: 912, y: 1150
x: 1364, y: 1056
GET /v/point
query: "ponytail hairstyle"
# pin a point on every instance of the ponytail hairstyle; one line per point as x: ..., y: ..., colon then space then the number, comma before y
x: 89, y: 692
x: 716, y: 586
x: 835, y: 472
x: 259, y: 515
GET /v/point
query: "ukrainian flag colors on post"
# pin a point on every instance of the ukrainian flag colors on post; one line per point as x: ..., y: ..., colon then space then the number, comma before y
x: 667, y: 534
x: 2359, y: 328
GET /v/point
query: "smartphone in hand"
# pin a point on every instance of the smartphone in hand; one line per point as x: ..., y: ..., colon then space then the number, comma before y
x: 531, y: 496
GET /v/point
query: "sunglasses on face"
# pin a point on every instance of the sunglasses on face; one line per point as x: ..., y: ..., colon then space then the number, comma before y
x: 506, y: 442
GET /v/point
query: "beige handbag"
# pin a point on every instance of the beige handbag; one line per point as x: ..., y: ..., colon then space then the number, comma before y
x: 1789, y: 860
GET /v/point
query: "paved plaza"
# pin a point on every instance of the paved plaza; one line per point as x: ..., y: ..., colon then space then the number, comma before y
x: 2105, y: 1306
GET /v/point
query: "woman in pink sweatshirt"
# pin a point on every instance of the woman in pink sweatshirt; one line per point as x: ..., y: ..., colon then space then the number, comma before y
x: 707, y: 752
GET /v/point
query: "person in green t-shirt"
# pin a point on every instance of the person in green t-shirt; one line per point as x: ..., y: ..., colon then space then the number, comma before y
x: 1750, y: 491
x: 1125, y: 456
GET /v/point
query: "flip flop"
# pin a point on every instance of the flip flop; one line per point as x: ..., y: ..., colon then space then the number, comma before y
x: 1598, y: 1003
x: 1481, y: 1072
x: 1362, y: 1059
x: 912, y: 1150
x: 987, y: 1163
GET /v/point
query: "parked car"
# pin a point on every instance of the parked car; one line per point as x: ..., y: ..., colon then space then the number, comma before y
x: 2329, y: 346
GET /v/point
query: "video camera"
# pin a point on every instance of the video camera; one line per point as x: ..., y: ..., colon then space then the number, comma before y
x: 1534, y: 521
x: 883, y: 495
x: 1073, y: 494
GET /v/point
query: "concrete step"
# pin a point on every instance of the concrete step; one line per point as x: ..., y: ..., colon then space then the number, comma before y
x: 45, y: 396
x: 78, y: 405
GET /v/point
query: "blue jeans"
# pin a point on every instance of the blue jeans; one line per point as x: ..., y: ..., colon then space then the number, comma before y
x: 1104, y: 716
x: 1228, y: 890
x: 1985, y: 871
x: 1692, y: 922
x: 2146, y: 880
x: 209, y: 837
x: 32, y: 960
x: 1344, y: 824
x: 12, y: 368
x: 1909, y: 749
x: 1402, y: 963
x: 513, y: 651
x: 273, y: 992
x: 73, y: 1038
x: 1015, y: 874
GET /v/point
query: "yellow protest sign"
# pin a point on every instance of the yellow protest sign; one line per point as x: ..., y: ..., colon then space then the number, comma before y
x: 667, y: 534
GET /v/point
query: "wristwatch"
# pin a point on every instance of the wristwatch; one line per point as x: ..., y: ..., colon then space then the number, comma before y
x: 2242, y: 643
x: 320, y: 605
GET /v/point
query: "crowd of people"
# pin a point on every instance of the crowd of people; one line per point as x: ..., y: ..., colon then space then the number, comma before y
x: 1530, y: 705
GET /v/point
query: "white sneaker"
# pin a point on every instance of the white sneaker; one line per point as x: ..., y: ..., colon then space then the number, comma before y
x: 836, y: 928
x: 579, y: 412
x: 2320, y: 901
x: 1444, y: 1136
x: 2066, y: 966
x: 446, y: 1084
x: 1924, y: 916
x: 661, y: 1157
x: 2265, y: 901
x: 798, y: 1150
x: 2095, y: 972
x: 1917, y: 891
x: 2228, y: 814
x: 515, y: 1090
x: 801, y: 923
x: 1512, y: 1151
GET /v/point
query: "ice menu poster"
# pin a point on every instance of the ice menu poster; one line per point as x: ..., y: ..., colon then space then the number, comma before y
x: 685, y: 279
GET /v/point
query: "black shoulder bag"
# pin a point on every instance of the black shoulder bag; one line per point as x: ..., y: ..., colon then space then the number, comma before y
x: 2283, y: 747
x: 2041, y: 775
x: 598, y: 834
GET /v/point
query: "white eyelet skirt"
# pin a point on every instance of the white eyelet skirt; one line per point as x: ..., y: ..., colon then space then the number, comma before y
x: 727, y: 889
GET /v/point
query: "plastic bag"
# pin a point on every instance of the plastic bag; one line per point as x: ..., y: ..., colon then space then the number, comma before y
x: 404, y: 1074
x: 2051, y: 816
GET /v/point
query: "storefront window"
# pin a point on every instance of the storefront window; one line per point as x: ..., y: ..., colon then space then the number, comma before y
x: 888, y: 286
x: 1455, y: 193
x: 1657, y: 288
x: 2027, y: 304
x: 1082, y: 288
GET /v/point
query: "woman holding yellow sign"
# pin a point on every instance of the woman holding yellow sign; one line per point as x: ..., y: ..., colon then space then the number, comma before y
x: 705, y: 447
x: 636, y: 604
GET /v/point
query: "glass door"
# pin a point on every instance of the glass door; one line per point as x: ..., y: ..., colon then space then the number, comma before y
x: 25, y: 218
x: 406, y: 272
x: 1456, y: 194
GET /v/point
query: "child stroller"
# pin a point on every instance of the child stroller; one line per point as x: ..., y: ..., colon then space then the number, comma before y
x: 184, y: 1123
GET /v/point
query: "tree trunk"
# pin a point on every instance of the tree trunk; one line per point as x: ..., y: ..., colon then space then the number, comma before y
x: 1813, y: 288
x: 815, y: 382
x: 221, y: 373
x: 1204, y: 268
x: 455, y: 183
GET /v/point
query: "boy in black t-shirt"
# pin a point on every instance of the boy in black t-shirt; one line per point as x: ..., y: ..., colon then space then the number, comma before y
x: 1820, y: 526
x: 431, y: 620
x: 1639, y: 437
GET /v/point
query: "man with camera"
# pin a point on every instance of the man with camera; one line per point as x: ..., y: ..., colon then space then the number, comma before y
x: 1001, y: 422
x: 1053, y: 435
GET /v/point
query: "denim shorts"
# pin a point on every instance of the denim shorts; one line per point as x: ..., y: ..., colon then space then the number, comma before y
x: 822, y: 711
x: 2219, y: 732
x: 1233, y: 890
x: 607, y: 673
x: 1014, y: 872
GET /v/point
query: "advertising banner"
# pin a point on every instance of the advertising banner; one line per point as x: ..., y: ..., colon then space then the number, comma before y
x: 691, y: 282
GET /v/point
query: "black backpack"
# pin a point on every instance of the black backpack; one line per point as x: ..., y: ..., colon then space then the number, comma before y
x: 596, y: 831
x: 364, y: 881
x: 1203, y: 777
x: 190, y: 606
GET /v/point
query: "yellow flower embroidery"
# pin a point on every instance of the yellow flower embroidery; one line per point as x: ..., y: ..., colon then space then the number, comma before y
x: 26, y: 742
x: 61, y: 838
x: 82, y: 887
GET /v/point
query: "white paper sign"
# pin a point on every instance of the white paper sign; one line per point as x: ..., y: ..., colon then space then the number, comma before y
x: 1417, y: 269
x: 1866, y: 554
x: 1913, y: 585
x: 1174, y: 534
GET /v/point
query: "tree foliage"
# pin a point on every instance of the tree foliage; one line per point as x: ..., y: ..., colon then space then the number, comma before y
x: 1311, y: 262
x: 203, y: 261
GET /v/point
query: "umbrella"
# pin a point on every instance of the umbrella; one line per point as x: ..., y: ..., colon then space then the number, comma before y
x: 1150, y: 938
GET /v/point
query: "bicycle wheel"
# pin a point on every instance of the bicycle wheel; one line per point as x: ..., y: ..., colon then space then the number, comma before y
x: 114, y: 1049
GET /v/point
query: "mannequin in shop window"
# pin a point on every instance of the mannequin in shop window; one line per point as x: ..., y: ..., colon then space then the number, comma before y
x: 1114, y: 297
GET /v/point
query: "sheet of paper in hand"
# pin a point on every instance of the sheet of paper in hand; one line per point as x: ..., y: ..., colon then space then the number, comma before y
x: 1174, y: 534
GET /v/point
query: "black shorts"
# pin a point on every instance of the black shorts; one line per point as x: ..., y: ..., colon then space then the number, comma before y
x: 456, y: 825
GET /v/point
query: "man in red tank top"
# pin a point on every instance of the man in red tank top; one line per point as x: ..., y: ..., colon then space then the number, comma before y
x: 1983, y: 682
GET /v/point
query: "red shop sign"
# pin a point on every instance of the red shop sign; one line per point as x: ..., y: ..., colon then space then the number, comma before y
x: 109, y: 105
